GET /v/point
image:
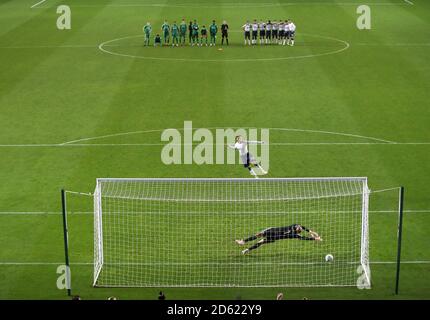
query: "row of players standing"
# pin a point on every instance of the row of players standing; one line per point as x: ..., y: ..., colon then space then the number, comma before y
x: 197, y: 36
x: 281, y: 32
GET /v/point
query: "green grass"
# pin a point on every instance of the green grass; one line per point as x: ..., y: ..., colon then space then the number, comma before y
x: 57, y: 86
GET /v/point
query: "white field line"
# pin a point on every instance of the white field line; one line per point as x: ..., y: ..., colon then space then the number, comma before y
x: 36, y: 4
x: 409, y: 2
x: 17, y: 263
x: 55, y: 145
x: 236, y: 5
x: 70, y: 46
x: 399, y: 44
x: 77, y: 142
x: 35, y: 213
x: 96, y: 46
x: 104, y: 44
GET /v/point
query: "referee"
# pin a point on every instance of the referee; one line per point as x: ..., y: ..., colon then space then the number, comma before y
x: 224, y: 32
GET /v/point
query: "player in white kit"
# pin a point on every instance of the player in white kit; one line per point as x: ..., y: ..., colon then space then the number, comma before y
x: 247, y: 159
x: 247, y: 29
x: 268, y: 32
x: 254, y: 28
x: 262, y: 27
x: 281, y: 31
x: 286, y: 32
x: 292, y: 33
x: 275, y: 27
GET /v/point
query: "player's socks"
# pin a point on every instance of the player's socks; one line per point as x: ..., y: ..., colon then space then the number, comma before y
x: 262, y: 170
x: 251, y: 238
x: 240, y: 242
x: 255, y: 246
x: 251, y: 171
x: 245, y: 251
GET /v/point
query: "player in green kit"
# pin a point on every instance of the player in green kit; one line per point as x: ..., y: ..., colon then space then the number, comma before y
x: 165, y: 28
x: 147, y: 30
x: 182, y: 32
x: 213, y: 29
x: 204, y: 35
x: 175, y: 34
x: 195, y: 37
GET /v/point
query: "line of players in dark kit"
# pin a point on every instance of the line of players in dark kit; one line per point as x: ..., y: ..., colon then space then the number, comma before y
x: 176, y: 34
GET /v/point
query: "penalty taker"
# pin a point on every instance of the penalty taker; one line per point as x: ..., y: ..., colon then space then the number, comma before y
x: 273, y: 234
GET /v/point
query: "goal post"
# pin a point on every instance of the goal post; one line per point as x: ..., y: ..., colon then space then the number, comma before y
x: 98, y: 233
x: 181, y: 232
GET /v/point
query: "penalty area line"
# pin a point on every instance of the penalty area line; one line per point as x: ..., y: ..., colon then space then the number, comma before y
x: 409, y: 2
x: 36, y: 4
x: 235, y: 5
x: 72, y: 213
x: 16, y: 263
x: 65, y: 145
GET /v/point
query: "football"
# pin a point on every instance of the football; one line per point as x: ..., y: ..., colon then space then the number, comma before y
x: 329, y: 258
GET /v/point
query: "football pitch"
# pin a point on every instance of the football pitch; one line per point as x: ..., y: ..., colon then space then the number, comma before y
x: 92, y: 102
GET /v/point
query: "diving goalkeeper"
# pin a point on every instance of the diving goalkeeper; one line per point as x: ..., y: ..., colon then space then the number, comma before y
x: 273, y: 234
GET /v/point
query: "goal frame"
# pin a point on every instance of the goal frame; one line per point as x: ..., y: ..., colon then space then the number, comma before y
x: 98, y: 218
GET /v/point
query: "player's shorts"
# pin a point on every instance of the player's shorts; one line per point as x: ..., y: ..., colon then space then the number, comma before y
x: 273, y: 234
x: 262, y: 33
x: 292, y: 34
x: 281, y: 34
x: 247, y: 159
x: 269, y: 34
x: 254, y: 34
x: 247, y: 35
x: 274, y: 34
x: 225, y: 34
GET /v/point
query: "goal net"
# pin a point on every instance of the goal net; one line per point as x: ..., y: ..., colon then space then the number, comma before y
x: 182, y: 232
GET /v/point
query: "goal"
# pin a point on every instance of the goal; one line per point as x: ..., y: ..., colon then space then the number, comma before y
x: 182, y: 232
